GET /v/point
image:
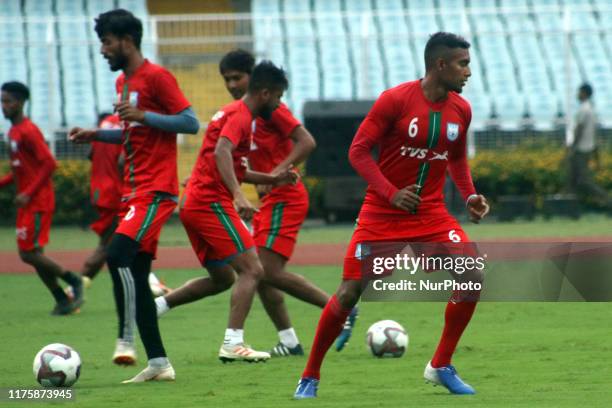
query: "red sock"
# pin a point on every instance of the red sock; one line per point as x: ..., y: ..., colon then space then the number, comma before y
x: 329, y: 327
x: 456, y: 319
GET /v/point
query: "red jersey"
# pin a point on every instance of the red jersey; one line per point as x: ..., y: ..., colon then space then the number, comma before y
x: 272, y: 144
x: 106, y: 182
x: 31, y: 166
x: 417, y: 141
x: 150, y: 153
x: 234, y: 122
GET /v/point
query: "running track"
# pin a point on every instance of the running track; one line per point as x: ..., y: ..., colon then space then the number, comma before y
x: 184, y: 258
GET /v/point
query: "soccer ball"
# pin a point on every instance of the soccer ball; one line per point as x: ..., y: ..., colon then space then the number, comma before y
x: 387, y: 338
x: 57, y: 365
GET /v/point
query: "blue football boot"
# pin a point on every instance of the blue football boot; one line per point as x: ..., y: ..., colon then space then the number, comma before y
x: 306, y: 388
x: 448, y: 378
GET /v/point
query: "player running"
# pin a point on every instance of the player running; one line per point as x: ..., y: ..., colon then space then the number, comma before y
x: 31, y: 168
x: 105, y: 194
x: 278, y: 143
x: 213, y: 204
x: 106, y: 184
x: 152, y: 109
x: 404, y: 199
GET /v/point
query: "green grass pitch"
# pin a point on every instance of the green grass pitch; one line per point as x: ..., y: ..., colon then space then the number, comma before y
x: 515, y: 354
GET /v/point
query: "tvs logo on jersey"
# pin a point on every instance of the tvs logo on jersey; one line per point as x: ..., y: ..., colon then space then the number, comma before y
x: 422, y: 154
x: 438, y: 156
x: 452, y: 131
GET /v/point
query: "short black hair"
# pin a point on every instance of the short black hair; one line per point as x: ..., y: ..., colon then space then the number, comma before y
x: 17, y: 89
x: 587, y: 89
x: 437, y: 44
x: 237, y: 60
x: 121, y: 23
x: 266, y: 75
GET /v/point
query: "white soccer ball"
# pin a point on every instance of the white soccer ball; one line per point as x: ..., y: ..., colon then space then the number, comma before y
x: 57, y: 365
x: 387, y: 338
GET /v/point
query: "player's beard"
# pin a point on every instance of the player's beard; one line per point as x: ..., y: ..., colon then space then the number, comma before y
x: 266, y: 113
x: 118, y: 62
x: 457, y: 87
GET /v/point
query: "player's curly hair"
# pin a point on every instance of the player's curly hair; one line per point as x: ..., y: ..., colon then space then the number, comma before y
x: 237, y: 60
x: 121, y: 23
x: 266, y: 75
x: 438, y: 43
x: 17, y: 89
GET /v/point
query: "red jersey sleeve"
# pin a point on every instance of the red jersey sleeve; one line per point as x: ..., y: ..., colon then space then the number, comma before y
x: 376, y: 124
x: 235, y: 128
x: 36, y: 144
x: 458, y: 166
x: 284, y: 121
x: 169, y: 94
x: 6, y: 180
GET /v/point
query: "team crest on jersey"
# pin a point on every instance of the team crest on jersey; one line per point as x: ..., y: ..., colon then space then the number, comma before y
x: 134, y: 98
x: 452, y: 131
x: 217, y: 116
x: 22, y: 233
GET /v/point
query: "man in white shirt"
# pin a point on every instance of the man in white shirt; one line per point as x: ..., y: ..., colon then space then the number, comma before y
x: 584, y: 148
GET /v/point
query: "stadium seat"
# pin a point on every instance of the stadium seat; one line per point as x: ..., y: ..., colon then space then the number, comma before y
x: 95, y: 7
x: 69, y: 8
x: 332, y: 42
x: 398, y: 58
x: 365, y: 49
x: 10, y: 8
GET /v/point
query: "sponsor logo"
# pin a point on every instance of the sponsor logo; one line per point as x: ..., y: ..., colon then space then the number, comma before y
x: 422, y: 154
x: 452, y: 131
x: 437, y: 156
x: 14, y: 146
x: 413, y: 152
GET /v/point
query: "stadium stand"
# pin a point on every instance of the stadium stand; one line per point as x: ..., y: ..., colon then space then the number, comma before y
x: 519, y: 53
x: 332, y: 49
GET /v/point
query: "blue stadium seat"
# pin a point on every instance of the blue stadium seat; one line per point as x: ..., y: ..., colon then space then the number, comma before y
x: 396, y: 51
x: 365, y: 49
x: 44, y: 67
x: 138, y: 7
x: 95, y: 7
x: 77, y: 78
x: 337, y: 79
x: 510, y: 108
x: 10, y: 8
x: 69, y: 8
x: 38, y: 8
